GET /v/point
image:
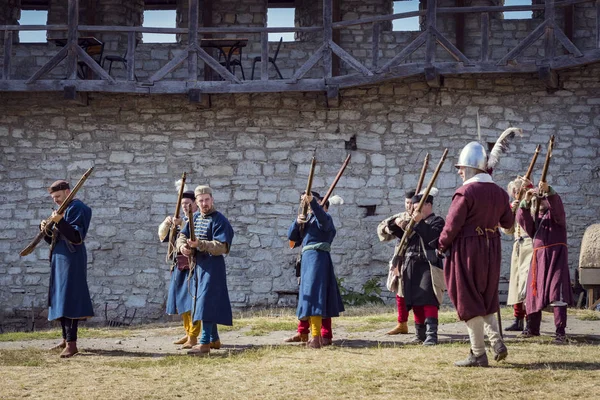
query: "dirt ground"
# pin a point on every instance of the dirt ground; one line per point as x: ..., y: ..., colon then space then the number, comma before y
x: 157, y: 341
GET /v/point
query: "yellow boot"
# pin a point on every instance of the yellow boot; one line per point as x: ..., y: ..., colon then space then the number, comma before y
x: 401, y: 328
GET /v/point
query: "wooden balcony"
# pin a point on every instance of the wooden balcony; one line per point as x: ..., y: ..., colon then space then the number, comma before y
x: 433, y: 52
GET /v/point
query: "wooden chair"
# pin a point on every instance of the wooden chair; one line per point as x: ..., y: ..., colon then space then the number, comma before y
x: 95, y: 51
x: 114, y: 58
x: 271, y: 60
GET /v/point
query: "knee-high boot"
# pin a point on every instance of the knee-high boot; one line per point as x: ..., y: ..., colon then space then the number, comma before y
x: 431, y: 332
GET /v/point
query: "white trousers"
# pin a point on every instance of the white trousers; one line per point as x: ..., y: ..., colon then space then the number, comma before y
x: 478, y: 327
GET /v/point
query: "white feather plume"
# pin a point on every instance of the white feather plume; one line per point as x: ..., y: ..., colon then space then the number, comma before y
x: 501, y: 145
x: 336, y: 200
x: 433, y: 192
x: 178, y: 186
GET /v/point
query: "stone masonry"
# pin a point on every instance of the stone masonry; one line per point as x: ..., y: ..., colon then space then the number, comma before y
x: 254, y: 150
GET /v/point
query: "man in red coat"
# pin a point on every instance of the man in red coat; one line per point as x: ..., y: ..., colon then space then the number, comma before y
x: 472, y: 238
x: 549, y: 282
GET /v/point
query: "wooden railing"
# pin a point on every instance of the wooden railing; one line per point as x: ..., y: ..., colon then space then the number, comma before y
x: 328, y: 81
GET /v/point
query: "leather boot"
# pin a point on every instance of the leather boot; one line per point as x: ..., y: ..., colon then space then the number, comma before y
x: 472, y: 361
x: 431, y: 332
x: 200, y: 350
x: 325, y: 341
x: 191, y: 342
x: 500, y: 351
x: 420, y: 334
x: 517, y: 326
x: 314, y: 343
x: 215, y: 345
x: 59, y: 346
x: 298, y: 337
x: 181, y: 341
x: 70, y: 350
x: 402, y: 328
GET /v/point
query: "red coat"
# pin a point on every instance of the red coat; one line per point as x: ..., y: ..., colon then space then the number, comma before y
x: 471, y: 234
x: 549, y: 278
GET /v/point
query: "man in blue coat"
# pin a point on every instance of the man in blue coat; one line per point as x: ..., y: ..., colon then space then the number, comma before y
x: 69, y: 297
x: 214, y: 235
x: 319, y: 295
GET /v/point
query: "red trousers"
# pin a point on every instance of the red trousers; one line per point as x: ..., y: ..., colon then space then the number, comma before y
x: 402, y: 311
x: 421, y: 313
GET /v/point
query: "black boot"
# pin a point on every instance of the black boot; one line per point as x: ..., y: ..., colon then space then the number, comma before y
x: 419, y: 334
x: 517, y: 326
x: 432, y: 328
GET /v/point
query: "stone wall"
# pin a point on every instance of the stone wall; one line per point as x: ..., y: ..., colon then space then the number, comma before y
x: 254, y: 150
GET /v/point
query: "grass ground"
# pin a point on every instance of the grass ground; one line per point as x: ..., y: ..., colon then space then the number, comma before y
x: 533, y: 370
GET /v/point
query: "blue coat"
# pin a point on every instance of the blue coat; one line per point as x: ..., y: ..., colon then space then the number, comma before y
x: 319, y: 293
x: 179, y: 298
x: 210, y: 278
x: 69, y: 295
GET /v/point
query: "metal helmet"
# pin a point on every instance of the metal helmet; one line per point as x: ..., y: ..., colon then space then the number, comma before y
x: 473, y: 155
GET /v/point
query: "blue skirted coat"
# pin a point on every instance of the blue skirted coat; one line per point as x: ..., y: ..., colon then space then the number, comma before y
x: 179, y: 298
x: 210, y: 278
x: 68, y: 294
x: 319, y: 294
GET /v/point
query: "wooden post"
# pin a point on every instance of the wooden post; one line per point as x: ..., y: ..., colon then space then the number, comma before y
x: 327, y: 37
x: 375, y: 51
x: 7, y: 54
x: 598, y: 24
x: 569, y: 21
x: 264, y: 56
x: 485, y: 36
x: 459, y: 20
x: 431, y: 42
x: 549, y: 48
x: 207, y: 9
x: 336, y: 35
x: 192, y: 40
x: 131, y: 40
x: 73, y: 22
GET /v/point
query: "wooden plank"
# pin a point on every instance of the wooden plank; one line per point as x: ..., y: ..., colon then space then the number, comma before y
x: 131, y: 40
x: 170, y: 66
x: 72, y: 45
x: 214, y: 64
x: 431, y: 22
x: 333, y: 96
x: 93, y: 65
x: 347, y: 58
x: 193, y: 14
x: 450, y: 48
x: 459, y: 20
x: 405, y: 52
x: 564, y: 40
x: 312, y: 60
x: 379, y: 18
x: 525, y: 43
x: 34, y: 27
x: 49, y: 66
x: 201, y: 29
x: 485, y: 36
x: 264, y: 56
x: 8, y: 38
x: 327, y: 38
x: 375, y: 42
x: 549, y: 77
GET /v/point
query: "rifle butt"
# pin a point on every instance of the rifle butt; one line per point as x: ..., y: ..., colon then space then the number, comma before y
x: 31, y: 246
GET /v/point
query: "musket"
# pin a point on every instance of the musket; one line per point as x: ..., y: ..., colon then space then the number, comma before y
x: 527, y: 176
x: 304, y: 205
x: 423, y: 172
x: 173, y: 231
x: 544, y: 173
x: 403, y: 245
x: 336, y: 180
x: 61, y: 209
x: 191, y: 226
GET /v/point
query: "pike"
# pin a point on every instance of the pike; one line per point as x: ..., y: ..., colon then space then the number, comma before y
x: 423, y: 172
x: 545, y: 172
x: 528, y: 175
x: 336, y: 180
x: 403, y: 245
x: 61, y: 209
x: 171, y: 249
x: 304, y: 205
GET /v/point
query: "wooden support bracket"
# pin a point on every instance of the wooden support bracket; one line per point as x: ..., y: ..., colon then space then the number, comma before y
x: 549, y: 76
x: 71, y: 93
x: 433, y: 78
x: 196, y: 96
x: 333, y: 96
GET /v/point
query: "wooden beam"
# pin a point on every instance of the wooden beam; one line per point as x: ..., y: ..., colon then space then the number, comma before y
x: 549, y: 76
x: 195, y: 96
x: 336, y: 35
x: 327, y: 38
x: 598, y: 24
x: 207, y: 22
x: 405, y: 52
x: 459, y: 20
x: 485, y: 36
x: 549, y: 46
x: 525, y: 43
x: 49, y: 66
x: 71, y: 93
x: 131, y: 46
x: 264, y: 56
x: 353, y: 62
x: 375, y: 42
x: 312, y: 60
x: 333, y: 96
x: 170, y: 66
x: 193, y: 11
x: 569, y: 16
x: 215, y: 65
x: 564, y: 40
x: 7, y: 55
x: 93, y: 65
x: 450, y: 48
x: 72, y: 45
x: 431, y: 23
x: 434, y: 80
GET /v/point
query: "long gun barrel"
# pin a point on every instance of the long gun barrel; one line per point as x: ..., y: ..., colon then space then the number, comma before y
x: 423, y: 172
x: 336, y: 180
x: 304, y: 205
x: 527, y: 176
x: 401, y: 248
x: 171, y: 250
x: 61, y: 209
x: 545, y: 171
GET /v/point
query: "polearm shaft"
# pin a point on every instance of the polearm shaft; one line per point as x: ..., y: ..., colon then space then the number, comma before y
x: 304, y: 206
x: 528, y: 174
x: 61, y: 209
x: 336, y: 180
x: 423, y: 172
x: 173, y: 230
x: 544, y: 173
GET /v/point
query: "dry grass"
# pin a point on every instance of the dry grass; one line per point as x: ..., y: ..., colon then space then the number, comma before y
x: 533, y: 369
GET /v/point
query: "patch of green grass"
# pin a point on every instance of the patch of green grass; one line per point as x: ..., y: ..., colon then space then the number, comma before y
x: 587, y: 315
